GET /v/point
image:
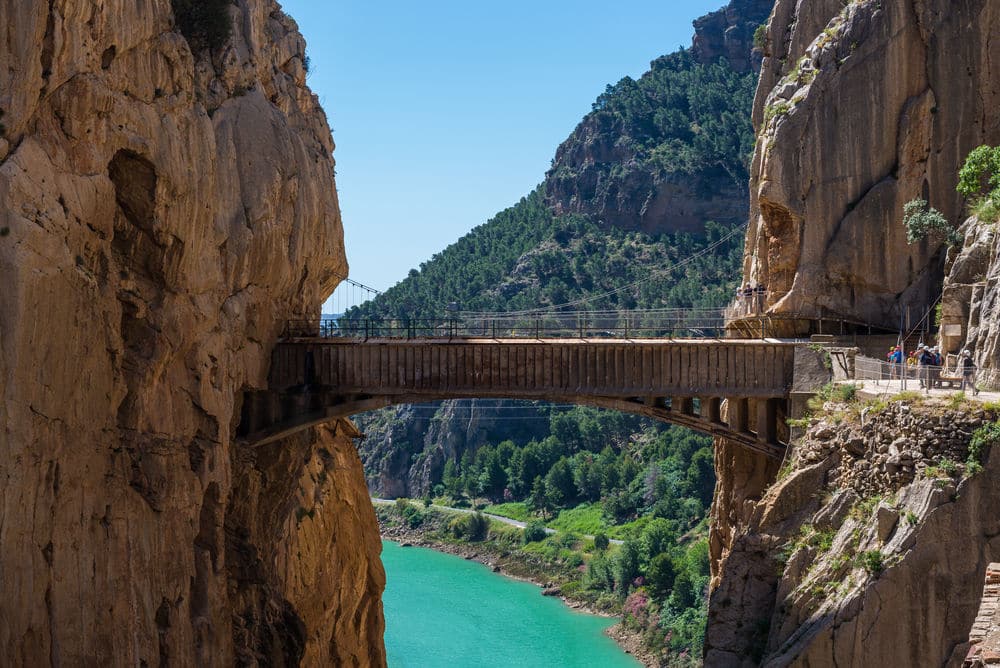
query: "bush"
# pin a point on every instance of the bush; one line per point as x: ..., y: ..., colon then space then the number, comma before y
x: 979, y: 179
x: 204, y: 23
x: 534, y: 532
x: 760, y: 37
x: 872, y: 561
x: 601, y: 541
x: 476, y: 526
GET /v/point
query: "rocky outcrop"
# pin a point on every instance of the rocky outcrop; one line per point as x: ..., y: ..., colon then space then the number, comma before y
x: 970, y: 300
x: 870, y: 548
x: 862, y: 107
x: 165, y: 211
x: 606, y: 169
x: 729, y: 34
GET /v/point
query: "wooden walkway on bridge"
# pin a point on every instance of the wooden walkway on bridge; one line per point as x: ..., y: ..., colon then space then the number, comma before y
x: 682, y: 381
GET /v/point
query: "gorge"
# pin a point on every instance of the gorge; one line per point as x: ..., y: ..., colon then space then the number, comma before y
x: 169, y: 204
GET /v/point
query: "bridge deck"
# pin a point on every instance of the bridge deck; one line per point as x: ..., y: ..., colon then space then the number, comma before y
x: 512, y: 367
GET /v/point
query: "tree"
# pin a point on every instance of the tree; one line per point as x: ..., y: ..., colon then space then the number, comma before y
x: 658, y: 536
x: 922, y: 221
x: 559, y: 483
x: 626, y: 567
x: 492, y: 478
x: 601, y: 541
x: 539, y: 498
x: 660, y: 576
x: 451, y: 479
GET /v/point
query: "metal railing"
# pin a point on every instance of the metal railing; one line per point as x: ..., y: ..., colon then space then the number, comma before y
x: 664, y: 323
x: 902, y: 377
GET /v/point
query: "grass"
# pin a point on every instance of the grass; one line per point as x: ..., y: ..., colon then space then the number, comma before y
x: 584, y: 519
x: 515, y: 511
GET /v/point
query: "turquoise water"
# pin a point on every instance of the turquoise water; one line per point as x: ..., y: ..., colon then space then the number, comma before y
x: 442, y: 610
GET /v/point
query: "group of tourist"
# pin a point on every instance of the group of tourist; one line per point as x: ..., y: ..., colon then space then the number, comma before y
x: 752, y: 296
x: 929, y: 364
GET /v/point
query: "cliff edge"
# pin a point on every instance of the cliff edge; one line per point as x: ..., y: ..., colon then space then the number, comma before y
x: 168, y: 204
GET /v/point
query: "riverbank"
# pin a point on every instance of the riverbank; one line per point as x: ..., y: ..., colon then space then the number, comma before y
x: 502, y: 557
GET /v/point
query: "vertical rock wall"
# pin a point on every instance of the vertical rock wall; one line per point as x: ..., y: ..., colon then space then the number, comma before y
x: 862, y: 107
x: 163, y: 213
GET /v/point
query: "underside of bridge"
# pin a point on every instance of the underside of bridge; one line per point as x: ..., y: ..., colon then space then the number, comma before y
x: 732, y: 389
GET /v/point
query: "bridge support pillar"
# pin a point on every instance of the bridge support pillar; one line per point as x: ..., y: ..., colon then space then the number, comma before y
x: 711, y: 409
x: 767, y: 420
x: 738, y: 410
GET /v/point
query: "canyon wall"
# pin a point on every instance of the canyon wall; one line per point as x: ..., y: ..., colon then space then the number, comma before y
x: 862, y: 107
x: 166, y: 208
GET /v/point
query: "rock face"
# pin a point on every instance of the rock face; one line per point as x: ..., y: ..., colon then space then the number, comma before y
x: 602, y: 169
x: 970, y: 299
x: 728, y: 33
x: 870, y: 551
x: 165, y: 211
x: 862, y: 107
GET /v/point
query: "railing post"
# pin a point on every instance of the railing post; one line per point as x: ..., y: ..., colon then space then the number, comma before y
x: 538, y: 324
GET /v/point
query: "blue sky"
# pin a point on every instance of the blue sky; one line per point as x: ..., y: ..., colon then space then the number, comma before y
x: 446, y: 112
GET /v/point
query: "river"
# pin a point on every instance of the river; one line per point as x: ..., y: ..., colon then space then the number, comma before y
x: 441, y: 610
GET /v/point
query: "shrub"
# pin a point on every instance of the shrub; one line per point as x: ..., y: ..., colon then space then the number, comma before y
x: 204, y: 23
x: 922, y: 221
x: 979, y: 445
x: 601, y: 541
x: 979, y: 179
x: 534, y: 532
x: 476, y: 526
x: 872, y: 561
x: 760, y: 37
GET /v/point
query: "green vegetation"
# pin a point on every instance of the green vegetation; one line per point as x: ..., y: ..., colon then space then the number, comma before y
x: 760, y: 37
x: 681, y: 117
x: 922, y: 221
x: 979, y: 179
x: 979, y: 446
x: 526, y: 258
x: 873, y: 561
x: 204, y: 23
x: 534, y: 532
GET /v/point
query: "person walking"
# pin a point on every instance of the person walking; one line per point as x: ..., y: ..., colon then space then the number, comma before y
x: 968, y: 368
x: 895, y: 358
x: 925, y: 362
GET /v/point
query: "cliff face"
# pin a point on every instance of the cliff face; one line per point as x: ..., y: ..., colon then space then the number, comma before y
x: 728, y: 33
x: 861, y: 108
x: 164, y: 212
x: 870, y: 551
x: 971, y: 300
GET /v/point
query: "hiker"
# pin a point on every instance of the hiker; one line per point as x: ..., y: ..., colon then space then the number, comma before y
x: 925, y: 361
x: 968, y: 369
x: 936, y: 367
x: 895, y: 358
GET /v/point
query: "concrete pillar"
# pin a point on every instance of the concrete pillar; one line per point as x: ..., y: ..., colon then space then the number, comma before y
x: 711, y: 409
x: 738, y: 409
x: 767, y: 420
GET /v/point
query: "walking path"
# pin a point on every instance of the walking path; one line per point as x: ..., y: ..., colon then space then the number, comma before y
x: 498, y: 518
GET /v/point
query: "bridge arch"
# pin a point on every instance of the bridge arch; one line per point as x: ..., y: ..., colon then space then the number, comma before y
x: 682, y: 382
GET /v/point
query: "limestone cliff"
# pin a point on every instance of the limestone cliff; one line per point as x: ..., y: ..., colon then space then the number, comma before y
x: 166, y: 208
x: 971, y: 300
x: 862, y: 107
x: 869, y: 551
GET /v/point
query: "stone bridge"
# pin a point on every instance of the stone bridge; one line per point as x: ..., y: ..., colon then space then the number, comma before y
x: 681, y: 381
